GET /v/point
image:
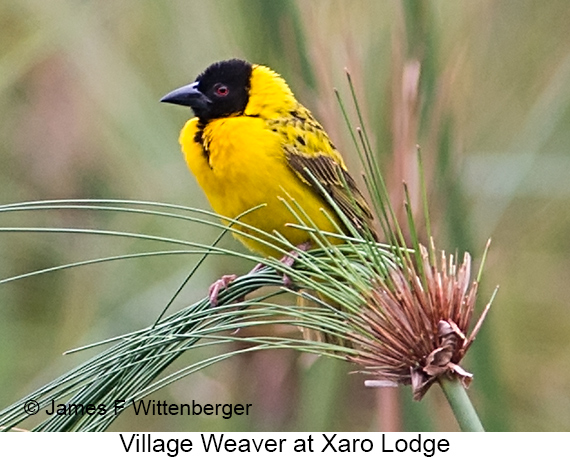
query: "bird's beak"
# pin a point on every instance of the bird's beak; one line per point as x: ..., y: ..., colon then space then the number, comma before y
x: 188, y: 96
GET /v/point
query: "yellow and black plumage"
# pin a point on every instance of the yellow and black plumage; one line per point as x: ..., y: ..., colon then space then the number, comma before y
x: 251, y: 143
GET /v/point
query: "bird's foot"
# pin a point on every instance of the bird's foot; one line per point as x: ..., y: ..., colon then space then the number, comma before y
x: 217, y: 286
x: 225, y: 280
x: 289, y: 260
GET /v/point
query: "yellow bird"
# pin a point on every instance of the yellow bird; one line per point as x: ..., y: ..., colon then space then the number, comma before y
x: 252, y: 143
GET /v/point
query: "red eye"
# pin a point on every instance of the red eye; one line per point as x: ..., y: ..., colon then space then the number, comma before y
x: 221, y: 90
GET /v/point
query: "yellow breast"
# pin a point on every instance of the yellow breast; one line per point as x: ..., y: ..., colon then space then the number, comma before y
x: 243, y: 166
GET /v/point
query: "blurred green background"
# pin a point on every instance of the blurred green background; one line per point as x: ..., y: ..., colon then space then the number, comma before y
x: 80, y: 118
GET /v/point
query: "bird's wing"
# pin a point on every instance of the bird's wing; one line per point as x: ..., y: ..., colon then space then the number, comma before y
x: 336, y: 182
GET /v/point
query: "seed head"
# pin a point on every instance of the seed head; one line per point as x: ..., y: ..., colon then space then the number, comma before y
x: 417, y: 318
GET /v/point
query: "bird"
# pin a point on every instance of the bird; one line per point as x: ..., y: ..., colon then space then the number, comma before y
x: 252, y: 144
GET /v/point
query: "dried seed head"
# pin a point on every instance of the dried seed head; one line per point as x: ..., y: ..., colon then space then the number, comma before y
x: 415, y: 323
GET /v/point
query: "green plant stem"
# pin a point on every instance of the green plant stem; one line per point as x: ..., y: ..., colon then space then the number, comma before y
x: 461, y: 405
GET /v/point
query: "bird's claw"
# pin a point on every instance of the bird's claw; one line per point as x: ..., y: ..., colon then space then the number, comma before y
x: 289, y: 260
x: 217, y: 286
x: 225, y: 280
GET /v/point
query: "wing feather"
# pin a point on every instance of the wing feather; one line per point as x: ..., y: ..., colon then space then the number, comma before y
x: 336, y: 182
